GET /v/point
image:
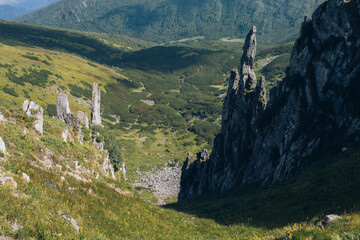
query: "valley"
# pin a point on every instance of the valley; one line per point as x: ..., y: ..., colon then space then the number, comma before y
x: 277, y: 112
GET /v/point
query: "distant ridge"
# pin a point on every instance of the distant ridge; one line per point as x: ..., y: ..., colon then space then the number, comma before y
x: 167, y: 20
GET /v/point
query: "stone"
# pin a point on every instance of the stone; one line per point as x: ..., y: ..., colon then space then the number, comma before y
x: 8, y: 181
x: 2, y: 118
x: 25, y: 177
x: 95, y: 105
x: 71, y: 221
x: 108, y: 167
x: 34, y: 110
x: 328, y: 219
x: 16, y: 227
x: 264, y: 141
x: 83, y: 118
x: 62, y: 106
x: 2, y: 148
x: 66, y: 135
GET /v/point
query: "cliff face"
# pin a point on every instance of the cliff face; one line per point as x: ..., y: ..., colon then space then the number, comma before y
x: 316, y: 105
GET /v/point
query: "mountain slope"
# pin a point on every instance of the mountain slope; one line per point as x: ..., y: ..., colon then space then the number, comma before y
x: 165, y: 20
x: 314, y: 110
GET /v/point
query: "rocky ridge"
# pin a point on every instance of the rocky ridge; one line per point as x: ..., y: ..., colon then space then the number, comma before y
x: 314, y: 108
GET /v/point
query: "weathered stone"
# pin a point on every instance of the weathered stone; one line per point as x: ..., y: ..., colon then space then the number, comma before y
x: 16, y: 227
x: 95, y: 106
x: 62, y: 106
x: 34, y: 110
x: 25, y: 177
x: 108, y: 167
x: 83, y: 118
x: 2, y: 148
x: 329, y: 219
x: 8, y: 181
x: 71, y: 221
x: 314, y: 105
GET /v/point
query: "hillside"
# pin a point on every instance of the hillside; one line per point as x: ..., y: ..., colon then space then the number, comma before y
x: 164, y: 21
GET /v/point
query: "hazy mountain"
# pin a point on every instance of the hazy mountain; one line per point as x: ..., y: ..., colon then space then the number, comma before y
x: 165, y: 20
x: 10, y: 9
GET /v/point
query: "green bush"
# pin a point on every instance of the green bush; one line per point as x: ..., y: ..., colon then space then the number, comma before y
x: 54, y: 143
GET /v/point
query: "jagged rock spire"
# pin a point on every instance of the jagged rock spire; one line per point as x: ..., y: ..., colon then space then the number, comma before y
x: 62, y: 106
x: 95, y: 106
x: 247, y: 74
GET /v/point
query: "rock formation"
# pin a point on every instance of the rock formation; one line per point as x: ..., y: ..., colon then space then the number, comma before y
x: 315, y: 108
x: 2, y: 148
x: 33, y: 110
x: 83, y: 118
x: 108, y: 167
x: 62, y: 106
x: 64, y: 114
x: 95, y: 106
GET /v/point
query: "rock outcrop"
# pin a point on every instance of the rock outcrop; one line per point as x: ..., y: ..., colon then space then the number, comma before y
x: 95, y: 106
x: 108, y: 167
x: 315, y: 108
x: 2, y: 148
x: 34, y: 110
x: 83, y: 118
x: 64, y: 114
x: 62, y: 106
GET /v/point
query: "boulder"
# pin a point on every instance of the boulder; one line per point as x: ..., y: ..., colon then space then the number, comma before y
x: 25, y: 177
x: 71, y: 221
x: 8, y: 181
x: 34, y: 110
x: 2, y: 148
x: 328, y: 219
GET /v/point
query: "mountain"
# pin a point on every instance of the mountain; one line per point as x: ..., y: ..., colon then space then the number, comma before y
x: 167, y: 20
x: 12, y: 9
x: 9, y: 12
x: 312, y: 112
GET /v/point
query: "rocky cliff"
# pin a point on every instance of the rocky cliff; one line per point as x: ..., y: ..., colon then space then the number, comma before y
x: 314, y: 107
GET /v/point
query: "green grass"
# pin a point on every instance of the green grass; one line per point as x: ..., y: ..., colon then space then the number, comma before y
x: 293, y: 208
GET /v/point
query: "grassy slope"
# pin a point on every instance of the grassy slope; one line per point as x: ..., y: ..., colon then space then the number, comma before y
x: 322, y: 189
x: 288, y: 210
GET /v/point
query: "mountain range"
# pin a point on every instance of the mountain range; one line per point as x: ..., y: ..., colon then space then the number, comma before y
x: 169, y: 20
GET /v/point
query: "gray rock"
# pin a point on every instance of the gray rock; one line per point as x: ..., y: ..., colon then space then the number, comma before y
x: 95, y: 106
x: 328, y: 219
x: 108, y: 167
x: 71, y: 221
x: 2, y: 148
x: 62, y: 106
x: 16, y: 227
x: 34, y: 110
x: 65, y: 115
x: 83, y: 118
x: 266, y: 141
x: 25, y: 177
x: 8, y: 181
